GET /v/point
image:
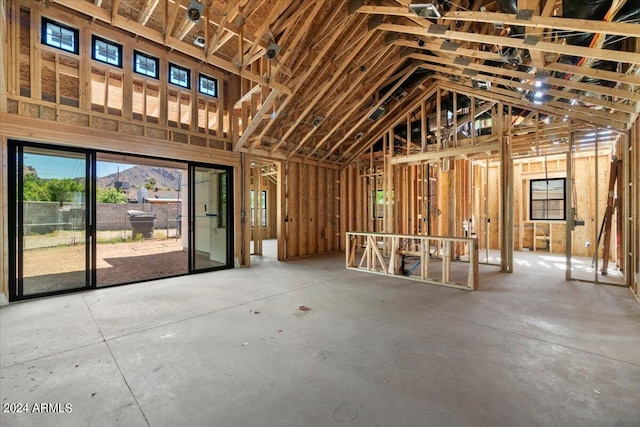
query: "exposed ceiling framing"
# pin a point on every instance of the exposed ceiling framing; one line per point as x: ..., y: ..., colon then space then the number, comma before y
x: 345, y: 72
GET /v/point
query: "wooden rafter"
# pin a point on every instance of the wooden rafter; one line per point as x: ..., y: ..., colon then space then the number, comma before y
x: 605, y: 54
x: 398, y: 113
x: 336, y: 102
x: 538, y: 22
x: 147, y: 10
x: 370, y: 111
x: 620, y: 116
x: 508, y: 97
x: 158, y: 37
x: 318, y: 60
x: 266, y: 104
x: 328, y: 85
x: 578, y: 86
x: 115, y: 5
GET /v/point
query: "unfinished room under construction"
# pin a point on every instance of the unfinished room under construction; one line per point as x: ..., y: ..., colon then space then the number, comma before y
x: 320, y: 212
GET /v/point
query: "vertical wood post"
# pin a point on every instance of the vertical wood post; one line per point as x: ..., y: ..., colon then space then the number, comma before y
x: 506, y: 205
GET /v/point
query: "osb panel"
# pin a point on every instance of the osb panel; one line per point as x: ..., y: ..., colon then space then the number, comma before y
x: 180, y: 137
x: 156, y: 133
x: 69, y: 87
x: 199, y: 141
x: 132, y: 129
x: 494, y: 203
x: 131, y: 8
x: 71, y: 118
x: 30, y: 110
x: 104, y: 124
x: 39, y: 111
x: 12, y: 106
x: 216, y: 144
x: 558, y: 239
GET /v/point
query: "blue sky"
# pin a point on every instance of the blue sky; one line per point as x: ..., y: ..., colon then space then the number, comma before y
x: 68, y: 167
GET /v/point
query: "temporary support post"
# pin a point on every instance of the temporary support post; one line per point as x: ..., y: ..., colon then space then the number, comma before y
x: 608, y: 215
x: 506, y: 175
x: 486, y: 210
x: 257, y: 209
x: 568, y: 208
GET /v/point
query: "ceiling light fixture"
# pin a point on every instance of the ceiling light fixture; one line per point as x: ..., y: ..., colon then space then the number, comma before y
x: 194, y: 11
x: 199, y: 41
x: 272, y: 51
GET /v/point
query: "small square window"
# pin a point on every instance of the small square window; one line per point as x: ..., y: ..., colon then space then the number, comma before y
x: 106, y: 51
x: 208, y: 85
x: 146, y: 65
x: 179, y: 76
x: 547, y: 199
x: 60, y: 36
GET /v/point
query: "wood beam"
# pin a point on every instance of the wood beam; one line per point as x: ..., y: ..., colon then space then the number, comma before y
x: 275, y: 11
x: 539, y: 22
x: 326, y: 87
x: 380, y: 131
x: 115, y: 5
x: 508, y: 98
x: 90, y: 9
x: 266, y: 104
x: 605, y: 54
x: 147, y: 10
x: 621, y: 115
x: 365, y: 117
x: 531, y: 77
x: 319, y: 57
x: 631, y: 79
x: 335, y: 103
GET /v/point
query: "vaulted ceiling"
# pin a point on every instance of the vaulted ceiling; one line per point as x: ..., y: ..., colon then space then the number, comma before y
x: 344, y: 72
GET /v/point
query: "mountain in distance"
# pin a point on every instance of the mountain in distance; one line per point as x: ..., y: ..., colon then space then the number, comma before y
x: 29, y: 170
x: 138, y: 176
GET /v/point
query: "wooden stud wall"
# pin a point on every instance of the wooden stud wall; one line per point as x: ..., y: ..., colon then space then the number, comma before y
x: 584, y: 186
x: 309, y: 212
x: 49, y: 83
x: 634, y: 199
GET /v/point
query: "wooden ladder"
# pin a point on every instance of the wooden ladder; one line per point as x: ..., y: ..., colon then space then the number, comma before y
x: 605, y: 229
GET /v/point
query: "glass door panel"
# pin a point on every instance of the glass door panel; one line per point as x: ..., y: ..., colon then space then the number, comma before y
x: 210, y: 230
x: 53, y: 236
x: 138, y: 219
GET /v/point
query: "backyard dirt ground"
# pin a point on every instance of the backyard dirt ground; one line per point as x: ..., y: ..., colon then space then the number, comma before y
x: 47, y: 268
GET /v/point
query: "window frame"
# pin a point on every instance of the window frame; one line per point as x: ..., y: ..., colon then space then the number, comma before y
x: 136, y: 54
x: 202, y: 77
x: 95, y: 38
x: 179, y: 68
x: 44, y: 33
x: 545, y: 201
x: 264, y: 204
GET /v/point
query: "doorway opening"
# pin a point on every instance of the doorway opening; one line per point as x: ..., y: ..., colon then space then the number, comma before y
x: 263, y: 190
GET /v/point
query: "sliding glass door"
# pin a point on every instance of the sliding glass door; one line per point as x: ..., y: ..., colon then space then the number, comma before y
x: 85, y: 219
x: 51, y: 234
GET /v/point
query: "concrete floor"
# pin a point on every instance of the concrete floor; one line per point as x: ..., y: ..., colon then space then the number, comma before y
x: 231, y: 348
